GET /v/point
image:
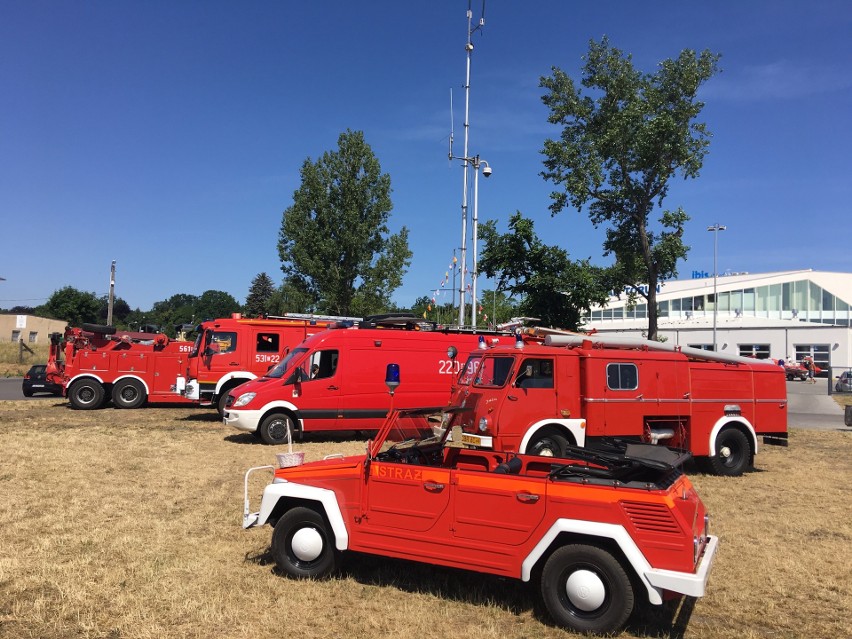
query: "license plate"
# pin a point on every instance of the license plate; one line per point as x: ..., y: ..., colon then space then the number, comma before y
x: 473, y: 440
x: 38, y: 385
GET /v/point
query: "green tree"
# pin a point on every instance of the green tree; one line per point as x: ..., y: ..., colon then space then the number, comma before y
x: 120, y: 310
x: 259, y: 295
x: 178, y: 309
x: 549, y: 285
x: 334, y: 241
x: 214, y: 304
x: 618, y: 149
x: 73, y: 306
x: 497, y: 307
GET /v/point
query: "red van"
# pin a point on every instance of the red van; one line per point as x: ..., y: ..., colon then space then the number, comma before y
x: 334, y: 380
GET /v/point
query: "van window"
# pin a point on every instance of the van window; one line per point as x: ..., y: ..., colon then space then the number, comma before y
x: 494, y: 371
x: 267, y: 342
x: 320, y: 365
x: 621, y: 376
x: 535, y: 373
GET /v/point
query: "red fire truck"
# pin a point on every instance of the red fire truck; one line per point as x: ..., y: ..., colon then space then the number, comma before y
x: 542, y: 395
x: 597, y: 533
x: 128, y: 367
x: 332, y: 380
x: 231, y: 351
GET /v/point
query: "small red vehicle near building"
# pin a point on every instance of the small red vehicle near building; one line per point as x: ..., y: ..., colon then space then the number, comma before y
x: 598, y: 532
x: 96, y: 364
x: 543, y: 395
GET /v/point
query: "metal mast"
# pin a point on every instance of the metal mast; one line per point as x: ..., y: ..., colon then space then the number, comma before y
x: 465, y: 158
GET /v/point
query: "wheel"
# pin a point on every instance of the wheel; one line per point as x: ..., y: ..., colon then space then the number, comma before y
x: 221, y: 401
x: 98, y: 328
x: 302, y: 544
x: 28, y: 393
x: 733, y: 453
x: 586, y: 589
x: 128, y: 393
x: 273, y: 429
x: 547, y: 443
x: 86, y: 394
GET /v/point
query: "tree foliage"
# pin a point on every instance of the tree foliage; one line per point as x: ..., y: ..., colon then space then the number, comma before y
x: 618, y: 150
x: 259, y: 296
x: 334, y: 242
x: 549, y: 285
x: 213, y: 304
x: 73, y: 306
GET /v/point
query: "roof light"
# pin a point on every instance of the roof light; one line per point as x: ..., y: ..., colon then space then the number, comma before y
x: 392, y: 377
x: 482, y: 341
x: 519, y: 342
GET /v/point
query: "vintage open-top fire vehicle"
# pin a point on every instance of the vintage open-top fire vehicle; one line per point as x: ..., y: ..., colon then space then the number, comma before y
x: 600, y: 531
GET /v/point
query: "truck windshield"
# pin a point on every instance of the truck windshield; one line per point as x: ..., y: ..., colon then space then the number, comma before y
x: 469, y: 371
x: 287, y: 363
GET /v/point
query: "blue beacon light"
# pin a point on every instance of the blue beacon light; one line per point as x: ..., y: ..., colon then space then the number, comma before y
x: 392, y: 377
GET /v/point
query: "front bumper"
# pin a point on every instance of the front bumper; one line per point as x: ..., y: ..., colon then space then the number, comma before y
x: 245, y: 420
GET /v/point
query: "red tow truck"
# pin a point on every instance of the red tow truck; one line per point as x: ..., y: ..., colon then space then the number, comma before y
x: 96, y: 363
x: 545, y: 394
x: 598, y: 532
x: 231, y: 351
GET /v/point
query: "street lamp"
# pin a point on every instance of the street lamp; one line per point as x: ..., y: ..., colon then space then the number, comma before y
x: 486, y: 171
x: 715, y: 229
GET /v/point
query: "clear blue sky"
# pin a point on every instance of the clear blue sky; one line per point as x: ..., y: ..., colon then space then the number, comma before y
x: 168, y: 135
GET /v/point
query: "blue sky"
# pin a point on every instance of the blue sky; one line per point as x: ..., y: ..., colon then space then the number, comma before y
x: 169, y: 135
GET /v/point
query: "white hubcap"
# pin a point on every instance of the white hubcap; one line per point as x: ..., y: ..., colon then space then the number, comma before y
x: 585, y: 590
x: 307, y: 544
x: 725, y: 452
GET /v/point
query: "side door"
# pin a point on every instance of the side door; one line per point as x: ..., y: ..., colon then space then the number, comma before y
x: 529, y: 397
x: 317, y: 394
x: 219, y: 357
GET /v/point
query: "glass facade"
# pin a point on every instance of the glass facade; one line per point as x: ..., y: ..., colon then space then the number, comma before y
x: 801, y: 299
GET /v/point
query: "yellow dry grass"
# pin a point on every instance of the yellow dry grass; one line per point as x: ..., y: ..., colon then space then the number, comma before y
x: 10, y: 366
x: 126, y: 524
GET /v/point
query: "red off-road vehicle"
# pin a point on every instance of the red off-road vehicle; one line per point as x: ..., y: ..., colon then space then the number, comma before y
x: 599, y: 531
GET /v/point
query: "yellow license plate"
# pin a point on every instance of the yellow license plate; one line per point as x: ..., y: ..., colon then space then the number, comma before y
x: 473, y: 440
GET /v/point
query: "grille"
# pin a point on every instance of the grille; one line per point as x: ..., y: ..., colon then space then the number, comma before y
x: 651, y: 517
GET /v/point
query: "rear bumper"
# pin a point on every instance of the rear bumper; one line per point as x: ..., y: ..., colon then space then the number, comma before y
x: 687, y: 583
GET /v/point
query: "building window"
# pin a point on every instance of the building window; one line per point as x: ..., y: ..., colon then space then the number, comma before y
x: 819, y: 352
x: 33, y: 337
x: 760, y: 351
x: 16, y: 335
x: 663, y: 309
x: 701, y: 347
x: 622, y: 376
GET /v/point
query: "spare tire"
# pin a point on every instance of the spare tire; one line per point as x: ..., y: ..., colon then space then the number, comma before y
x: 98, y: 328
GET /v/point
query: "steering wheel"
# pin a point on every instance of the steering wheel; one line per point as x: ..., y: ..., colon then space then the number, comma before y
x: 416, y: 456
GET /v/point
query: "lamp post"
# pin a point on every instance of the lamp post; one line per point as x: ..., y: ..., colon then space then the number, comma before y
x: 486, y: 171
x: 715, y: 229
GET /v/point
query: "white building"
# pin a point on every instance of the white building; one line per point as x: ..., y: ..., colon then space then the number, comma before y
x: 788, y: 314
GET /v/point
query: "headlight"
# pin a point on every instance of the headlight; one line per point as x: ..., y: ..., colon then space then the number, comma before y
x: 244, y: 399
x: 483, y: 424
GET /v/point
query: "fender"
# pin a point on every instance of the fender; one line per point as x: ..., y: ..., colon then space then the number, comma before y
x: 654, y: 580
x: 78, y: 376
x: 729, y: 419
x: 137, y: 378
x: 282, y: 488
x: 577, y: 428
x: 280, y: 403
x: 243, y: 375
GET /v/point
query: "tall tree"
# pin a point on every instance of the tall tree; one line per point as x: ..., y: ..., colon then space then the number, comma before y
x: 213, y: 304
x: 550, y: 286
x: 259, y: 295
x: 334, y: 241
x: 73, y: 306
x: 620, y: 146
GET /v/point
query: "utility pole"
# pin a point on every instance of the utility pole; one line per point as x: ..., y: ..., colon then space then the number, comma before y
x: 111, y: 293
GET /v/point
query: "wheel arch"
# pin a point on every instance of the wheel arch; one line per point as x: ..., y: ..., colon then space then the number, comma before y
x: 232, y: 380
x: 737, y: 422
x: 278, y: 498
x: 79, y: 376
x: 574, y: 430
x: 285, y: 409
x: 137, y: 378
x: 611, y: 537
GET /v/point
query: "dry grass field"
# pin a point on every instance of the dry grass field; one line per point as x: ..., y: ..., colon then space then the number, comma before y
x: 126, y: 524
x: 10, y: 366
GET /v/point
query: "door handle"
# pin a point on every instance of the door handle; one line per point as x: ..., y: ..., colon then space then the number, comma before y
x: 233, y: 363
x: 332, y: 387
x: 433, y: 487
x: 527, y: 498
x: 511, y: 398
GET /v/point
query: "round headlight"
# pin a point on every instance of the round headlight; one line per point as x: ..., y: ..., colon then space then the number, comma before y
x: 483, y: 424
x: 244, y: 399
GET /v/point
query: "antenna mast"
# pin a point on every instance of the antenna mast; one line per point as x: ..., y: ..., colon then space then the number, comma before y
x: 465, y: 158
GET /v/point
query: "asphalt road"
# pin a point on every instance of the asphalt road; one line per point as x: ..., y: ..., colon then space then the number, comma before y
x: 810, y: 405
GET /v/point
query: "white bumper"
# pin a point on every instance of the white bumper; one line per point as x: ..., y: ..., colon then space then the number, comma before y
x: 245, y: 420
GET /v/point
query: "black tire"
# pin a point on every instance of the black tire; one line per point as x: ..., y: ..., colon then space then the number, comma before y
x: 86, y: 394
x: 220, y: 403
x: 273, y: 429
x: 28, y: 393
x: 128, y: 393
x: 586, y: 589
x: 303, y: 545
x: 733, y: 454
x: 547, y: 443
x: 98, y: 328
